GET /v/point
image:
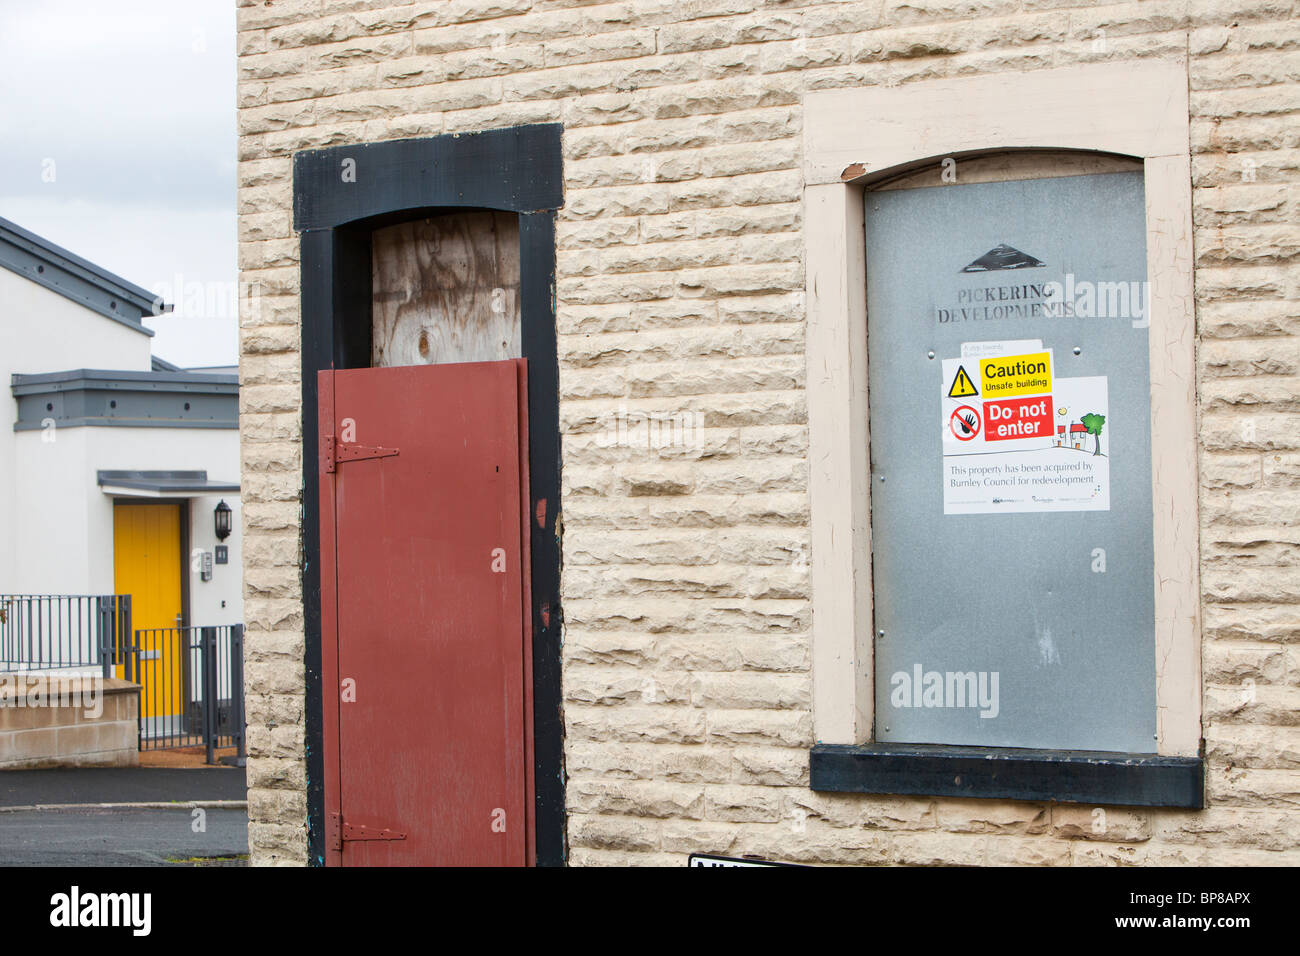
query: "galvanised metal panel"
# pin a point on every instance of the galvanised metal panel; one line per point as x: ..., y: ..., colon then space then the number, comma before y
x: 425, y: 576
x: 1033, y: 595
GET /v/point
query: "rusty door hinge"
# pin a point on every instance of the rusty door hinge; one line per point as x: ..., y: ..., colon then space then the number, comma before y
x: 337, y: 832
x: 334, y: 452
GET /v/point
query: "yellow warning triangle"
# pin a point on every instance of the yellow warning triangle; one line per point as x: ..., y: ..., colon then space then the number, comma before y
x: 962, y: 386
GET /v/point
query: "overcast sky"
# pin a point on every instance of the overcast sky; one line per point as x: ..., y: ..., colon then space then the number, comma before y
x: 117, y: 142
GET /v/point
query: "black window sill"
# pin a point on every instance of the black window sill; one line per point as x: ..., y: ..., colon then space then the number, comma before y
x: 1011, y: 774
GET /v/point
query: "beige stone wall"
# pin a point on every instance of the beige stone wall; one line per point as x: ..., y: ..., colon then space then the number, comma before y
x: 68, y: 722
x: 680, y: 289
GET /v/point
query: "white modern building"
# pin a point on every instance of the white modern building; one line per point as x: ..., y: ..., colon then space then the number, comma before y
x: 117, y: 462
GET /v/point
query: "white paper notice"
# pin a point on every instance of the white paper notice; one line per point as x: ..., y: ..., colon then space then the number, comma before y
x: 1017, y: 439
x: 1013, y: 347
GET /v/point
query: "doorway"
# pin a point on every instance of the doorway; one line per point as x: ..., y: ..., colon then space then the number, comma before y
x: 149, y: 565
x: 369, y: 298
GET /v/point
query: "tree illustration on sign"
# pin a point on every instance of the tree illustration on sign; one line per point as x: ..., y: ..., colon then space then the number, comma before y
x: 1094, y: 423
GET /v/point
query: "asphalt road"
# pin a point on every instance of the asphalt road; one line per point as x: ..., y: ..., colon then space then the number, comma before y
x: 93, y: 836
x: 25, y: 788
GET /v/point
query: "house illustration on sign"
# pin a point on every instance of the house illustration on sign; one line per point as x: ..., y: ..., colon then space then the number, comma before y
x: 1071, y: 438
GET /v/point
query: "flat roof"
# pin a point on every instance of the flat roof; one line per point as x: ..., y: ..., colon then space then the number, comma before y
x: 162, y: 484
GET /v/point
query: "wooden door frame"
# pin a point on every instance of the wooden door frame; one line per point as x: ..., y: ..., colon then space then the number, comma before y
x: 515, y: 170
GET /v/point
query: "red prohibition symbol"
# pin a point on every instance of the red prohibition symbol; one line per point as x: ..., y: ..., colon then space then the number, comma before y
x: 964, y: 423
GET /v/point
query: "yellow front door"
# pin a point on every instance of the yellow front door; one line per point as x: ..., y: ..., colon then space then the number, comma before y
x: 147, y: 565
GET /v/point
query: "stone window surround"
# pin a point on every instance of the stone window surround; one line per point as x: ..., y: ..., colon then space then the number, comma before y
x: 854, y: 138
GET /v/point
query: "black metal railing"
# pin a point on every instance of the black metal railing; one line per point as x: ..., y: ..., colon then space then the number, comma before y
x: 60, y: 631
x: 191, y: 687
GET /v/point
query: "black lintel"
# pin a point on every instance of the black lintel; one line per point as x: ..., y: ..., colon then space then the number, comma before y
x: 516, y: 169
x: 933, y: 770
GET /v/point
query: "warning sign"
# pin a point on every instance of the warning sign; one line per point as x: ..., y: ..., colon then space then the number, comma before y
x: 962, y: 386
x: 1032, y: 444
x: 1011, y: 375
x: 1019, y: 418
x: 964, y: 423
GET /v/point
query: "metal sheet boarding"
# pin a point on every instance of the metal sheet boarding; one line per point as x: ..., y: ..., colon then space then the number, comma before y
x: 1009, y: 391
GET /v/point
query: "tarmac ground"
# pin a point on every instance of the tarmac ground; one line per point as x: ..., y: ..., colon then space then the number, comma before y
x: 124, y: 816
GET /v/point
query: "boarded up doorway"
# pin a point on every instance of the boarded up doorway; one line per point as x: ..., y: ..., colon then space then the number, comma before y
x: 424, y: 527
x: 401, y: 250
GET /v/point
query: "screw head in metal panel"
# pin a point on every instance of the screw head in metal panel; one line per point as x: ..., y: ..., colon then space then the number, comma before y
x: 1077, y: 350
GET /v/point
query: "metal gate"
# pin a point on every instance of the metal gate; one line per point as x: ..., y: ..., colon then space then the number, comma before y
x: 425, y: 635
x: 191, y: 687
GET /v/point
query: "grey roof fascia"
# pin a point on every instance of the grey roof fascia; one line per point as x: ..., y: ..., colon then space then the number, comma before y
x: 75, y: 278
x: 79, y: 397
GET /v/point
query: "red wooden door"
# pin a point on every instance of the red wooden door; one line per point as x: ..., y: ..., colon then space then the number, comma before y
x: 425, y: 630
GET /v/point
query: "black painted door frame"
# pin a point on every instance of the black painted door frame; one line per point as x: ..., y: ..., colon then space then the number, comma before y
x: 340, y: 195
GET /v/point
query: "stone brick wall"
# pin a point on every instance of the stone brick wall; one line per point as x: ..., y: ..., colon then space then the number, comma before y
x: 68, y: 722
x: 680, y: 290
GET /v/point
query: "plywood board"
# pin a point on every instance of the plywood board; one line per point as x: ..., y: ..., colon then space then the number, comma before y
x: 446, y: 289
